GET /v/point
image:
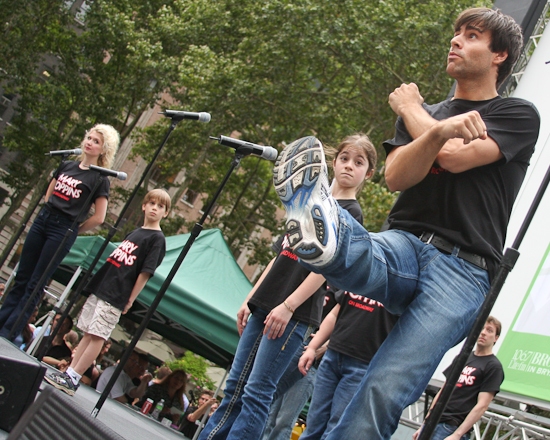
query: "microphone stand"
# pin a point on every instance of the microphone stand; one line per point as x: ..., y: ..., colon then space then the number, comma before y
x: 506, y: 265
x: 152, y: 308
x: 110, y: 235
x: 51, y: 264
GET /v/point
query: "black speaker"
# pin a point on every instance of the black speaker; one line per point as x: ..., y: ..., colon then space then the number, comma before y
x: 20, y: 378
x: 55, y: 415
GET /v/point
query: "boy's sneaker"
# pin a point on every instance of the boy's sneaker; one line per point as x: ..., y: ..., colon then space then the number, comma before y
x: 62, y: 381
x: 301, y: 181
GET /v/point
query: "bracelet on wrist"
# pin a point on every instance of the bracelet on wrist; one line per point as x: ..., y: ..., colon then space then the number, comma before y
x: 291, y: 310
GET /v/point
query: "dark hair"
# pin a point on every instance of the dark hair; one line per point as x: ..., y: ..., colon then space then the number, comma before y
x: 496, y: 323
x: 361, y: 142
x: 207, y: 392
x: 165, y: 382
x: 506, y: 35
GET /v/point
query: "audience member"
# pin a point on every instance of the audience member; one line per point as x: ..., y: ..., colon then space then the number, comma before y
x: 160, y: 374
x: 24, y: 340
x: 71, y: 339
x: 59, y: 350
x: 132, y: 382
x: 171, y: 389
x: 193, y: 416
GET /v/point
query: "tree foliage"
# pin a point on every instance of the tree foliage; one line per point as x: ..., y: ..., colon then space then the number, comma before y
x: 268, y: 72
x: 196, y: 368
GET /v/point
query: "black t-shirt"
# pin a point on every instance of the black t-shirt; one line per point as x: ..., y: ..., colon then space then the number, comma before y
x: 73, y: 187
x: 472, y: 208
x: 58, y: 352
x: 481, y: 374
x: 141, y: 251
x: 188, y: 428
x: 361, y: 327
x: 287, y: 274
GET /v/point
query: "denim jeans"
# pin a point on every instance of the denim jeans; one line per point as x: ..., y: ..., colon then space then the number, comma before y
x: 293, y: 392
x: 338, y: 377
x: 444, y: 430
x: 258, y: 365
x: 438, y: 297
x: 44, y: 237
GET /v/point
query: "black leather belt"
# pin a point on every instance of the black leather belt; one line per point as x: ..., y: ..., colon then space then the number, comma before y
x: 448, y: 247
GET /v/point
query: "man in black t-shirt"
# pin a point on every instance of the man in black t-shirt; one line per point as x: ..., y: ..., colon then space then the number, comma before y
x: 192, y: 417
x: 459, y: 166
x: 477, y: 386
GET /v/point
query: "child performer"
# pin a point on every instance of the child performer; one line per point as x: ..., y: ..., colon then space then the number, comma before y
x: 115, y: 286
x: 346, y: 359
x: 68, y: 191
x: 286, y: 305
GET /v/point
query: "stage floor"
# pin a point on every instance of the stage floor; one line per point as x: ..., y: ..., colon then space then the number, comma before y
x: 122, y: 419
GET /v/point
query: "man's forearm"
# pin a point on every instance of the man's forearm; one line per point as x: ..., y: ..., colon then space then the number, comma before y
x: 139, y: 391
x: 471, y: 419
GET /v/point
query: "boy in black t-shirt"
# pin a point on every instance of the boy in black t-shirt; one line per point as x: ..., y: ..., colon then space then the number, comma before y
x: 115, y: 286
x: 477, y: 386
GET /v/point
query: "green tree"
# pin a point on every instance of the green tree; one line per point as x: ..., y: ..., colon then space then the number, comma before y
x: 196, y: 368
x: 273, y: 71
x: 109, y: 71
x: 268, y: 72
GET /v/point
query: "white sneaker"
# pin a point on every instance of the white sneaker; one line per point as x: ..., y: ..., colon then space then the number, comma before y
x: 301, y: 181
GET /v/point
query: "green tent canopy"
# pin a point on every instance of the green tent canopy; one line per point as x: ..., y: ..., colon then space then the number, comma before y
x: 199, y: 309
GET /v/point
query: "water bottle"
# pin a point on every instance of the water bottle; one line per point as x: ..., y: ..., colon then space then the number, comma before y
x: 158, y: 409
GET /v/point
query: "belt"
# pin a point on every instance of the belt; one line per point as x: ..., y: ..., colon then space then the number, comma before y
x: 448, y: 248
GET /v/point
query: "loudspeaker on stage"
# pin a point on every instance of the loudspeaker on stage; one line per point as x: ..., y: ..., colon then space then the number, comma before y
x: 20, y: 379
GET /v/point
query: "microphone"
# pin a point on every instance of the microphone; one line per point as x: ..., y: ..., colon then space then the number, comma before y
x: 178, y: 115
x: 107, y: 172
x: 243, y: 147
x: 75, y: 152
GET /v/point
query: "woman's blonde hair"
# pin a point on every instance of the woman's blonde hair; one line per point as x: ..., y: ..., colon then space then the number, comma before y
x: 111, y: 140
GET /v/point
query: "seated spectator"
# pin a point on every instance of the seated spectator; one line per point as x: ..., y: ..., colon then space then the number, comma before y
x: 24, y: 340
x: 71, y: 339
x: 193, y: 416
x: 131, y: 383
x: 171, y: 389
x: 59, y: 350
x: 160, y: 374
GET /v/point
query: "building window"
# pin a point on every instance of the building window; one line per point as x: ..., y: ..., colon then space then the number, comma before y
x: 190, y: 197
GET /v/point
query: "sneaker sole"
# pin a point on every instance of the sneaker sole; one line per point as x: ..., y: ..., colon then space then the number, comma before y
x: 58, y: 386
x: 295, y: 174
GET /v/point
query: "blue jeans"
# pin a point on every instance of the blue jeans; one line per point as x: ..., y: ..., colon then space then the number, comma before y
x: 293, y: 392
x: 43, y: 239
x: 437, y: 296
x: 338, y: 377
x: 258, y: 365
x: 444, y: 430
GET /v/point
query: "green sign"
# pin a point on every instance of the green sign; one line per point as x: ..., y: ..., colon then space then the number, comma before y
x: 525, y: 351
